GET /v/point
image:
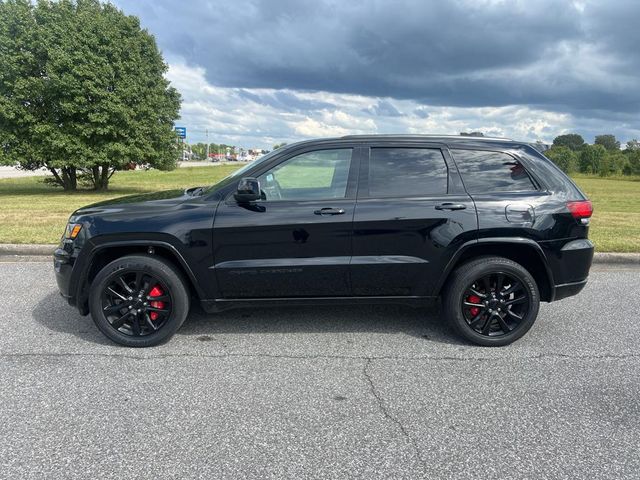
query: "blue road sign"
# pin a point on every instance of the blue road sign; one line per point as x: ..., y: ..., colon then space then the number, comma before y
x: 182, y: 132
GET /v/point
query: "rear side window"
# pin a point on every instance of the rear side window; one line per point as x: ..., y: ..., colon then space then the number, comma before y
x: 406, y: 172
x: 487, y: 172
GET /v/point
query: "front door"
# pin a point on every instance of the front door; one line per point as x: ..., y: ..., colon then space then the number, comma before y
x: 296, y: 241
x: 412, y: 214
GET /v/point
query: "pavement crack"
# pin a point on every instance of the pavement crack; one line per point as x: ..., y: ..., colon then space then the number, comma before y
x: 387, y: 414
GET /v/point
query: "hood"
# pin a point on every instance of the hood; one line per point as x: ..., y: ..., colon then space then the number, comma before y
x: 145, y: 201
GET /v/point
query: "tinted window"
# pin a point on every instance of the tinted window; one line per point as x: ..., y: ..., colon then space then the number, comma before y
x: 322, y: 174
x: 403, y: 172
x: 486, y: 172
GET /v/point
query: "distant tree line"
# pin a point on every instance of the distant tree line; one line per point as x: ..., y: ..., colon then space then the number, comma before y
x: 200, y: 149
x: 603, y: 158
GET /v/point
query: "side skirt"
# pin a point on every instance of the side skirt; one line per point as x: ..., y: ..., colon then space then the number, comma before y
x: 213, y: 306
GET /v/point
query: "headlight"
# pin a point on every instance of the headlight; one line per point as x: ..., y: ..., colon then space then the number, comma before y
x: 72, y: 231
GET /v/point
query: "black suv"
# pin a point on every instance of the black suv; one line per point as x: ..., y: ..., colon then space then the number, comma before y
x: 490, y: 225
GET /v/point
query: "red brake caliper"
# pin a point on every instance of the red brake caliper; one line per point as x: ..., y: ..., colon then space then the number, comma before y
x: 155, y: 292
x: 473, y: 299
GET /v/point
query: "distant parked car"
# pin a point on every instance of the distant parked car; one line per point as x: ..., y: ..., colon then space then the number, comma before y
x: 490, y: 226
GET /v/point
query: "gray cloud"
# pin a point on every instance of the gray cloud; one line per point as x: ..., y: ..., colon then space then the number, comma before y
x: 284, y: 100
x: 563, y: 55
x: 574, y: 57
x: 384, y: 108
x: 421, y: 112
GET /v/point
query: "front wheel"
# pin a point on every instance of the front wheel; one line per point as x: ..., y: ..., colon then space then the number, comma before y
x: 491, y: 301
x: 138, y: 301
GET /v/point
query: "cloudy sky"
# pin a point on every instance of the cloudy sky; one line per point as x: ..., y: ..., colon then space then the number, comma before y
x: 259, y: 72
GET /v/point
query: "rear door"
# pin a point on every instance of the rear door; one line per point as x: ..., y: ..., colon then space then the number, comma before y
x: 296, y: 242
x: 412, y: 213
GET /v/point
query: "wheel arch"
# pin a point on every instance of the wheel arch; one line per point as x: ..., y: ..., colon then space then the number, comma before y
x: 524, y: 251
x: 104, y: 253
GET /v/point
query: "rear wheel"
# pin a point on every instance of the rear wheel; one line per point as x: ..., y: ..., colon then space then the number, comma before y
x: 491, y: 301
x: 139, y: 301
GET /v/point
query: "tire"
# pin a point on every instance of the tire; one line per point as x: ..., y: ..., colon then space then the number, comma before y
x: 121, y: 314
x: 487, y: 313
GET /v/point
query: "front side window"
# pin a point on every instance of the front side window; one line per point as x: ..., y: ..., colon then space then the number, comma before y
x: 407, y: 172
x: 318, y: 175
x: 487, y: 172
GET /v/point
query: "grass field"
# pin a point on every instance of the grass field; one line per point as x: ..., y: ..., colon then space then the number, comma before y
x: 615, y: 226
x: 32, y: 212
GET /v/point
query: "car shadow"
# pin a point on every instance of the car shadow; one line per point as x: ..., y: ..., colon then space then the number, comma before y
x: 423, y: 323
x: 54, y: 313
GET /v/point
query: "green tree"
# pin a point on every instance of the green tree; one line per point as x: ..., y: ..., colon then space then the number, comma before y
x: 279, y: 145
x: 617, y: 162
x: 200, y: 150
x: 591, y: 158
x: 563, y: 157
x: 82, y: 92
x: 633, y: 145
x: 608, y: 141
x: 573, y: 141
x: 632, y: 167
x: 604, y: 170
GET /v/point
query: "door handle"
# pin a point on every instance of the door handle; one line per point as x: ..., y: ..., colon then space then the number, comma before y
x: 329, y: 211
x: 450, y: 206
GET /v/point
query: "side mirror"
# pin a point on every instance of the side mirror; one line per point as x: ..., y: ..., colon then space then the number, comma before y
x: 248, y: 190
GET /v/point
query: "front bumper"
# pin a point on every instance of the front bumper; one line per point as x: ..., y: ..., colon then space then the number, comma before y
x: 63, y: 267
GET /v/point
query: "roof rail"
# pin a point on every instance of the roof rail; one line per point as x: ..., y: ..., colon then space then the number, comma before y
x: 427, y: 135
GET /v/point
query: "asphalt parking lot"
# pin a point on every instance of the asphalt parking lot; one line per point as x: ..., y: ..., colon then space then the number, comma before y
x: 340, y: 392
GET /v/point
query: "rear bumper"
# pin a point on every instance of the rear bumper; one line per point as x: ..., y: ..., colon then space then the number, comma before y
x: 570, y: 267
x: 568, y: 289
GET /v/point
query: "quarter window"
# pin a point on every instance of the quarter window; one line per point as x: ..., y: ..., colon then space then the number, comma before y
x: 486, y: 172
x: 322, y: 174
x: 407, y: 172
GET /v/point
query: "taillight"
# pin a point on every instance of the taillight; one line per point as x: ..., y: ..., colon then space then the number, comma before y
x: 581, y: 210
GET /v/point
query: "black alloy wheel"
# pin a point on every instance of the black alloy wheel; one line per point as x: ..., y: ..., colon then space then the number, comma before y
x: 139, y: 300
x: 136, y: 303
x: 495, y: 304
x: 491, y: 301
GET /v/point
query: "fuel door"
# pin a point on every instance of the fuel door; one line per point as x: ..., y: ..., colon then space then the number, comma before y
x: 521, y: 213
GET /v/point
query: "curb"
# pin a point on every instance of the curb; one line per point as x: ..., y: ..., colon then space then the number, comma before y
x: 607, y: 258
x: 599, y: 258
x: 26, y: 249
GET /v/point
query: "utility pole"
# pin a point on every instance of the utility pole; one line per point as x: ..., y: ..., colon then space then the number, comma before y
x: 207, y: 137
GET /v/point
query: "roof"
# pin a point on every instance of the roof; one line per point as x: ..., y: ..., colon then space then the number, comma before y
x: 450, y: 140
